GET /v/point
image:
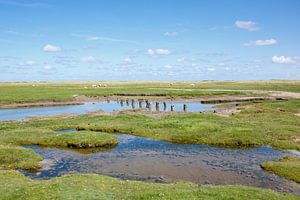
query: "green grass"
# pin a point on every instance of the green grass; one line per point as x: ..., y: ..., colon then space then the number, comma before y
x: 266, y: 123
x: 18, y: 158
x: 288, y: 167
x: 30, y: 92
x: 16, y: 186
x: 45, y: 137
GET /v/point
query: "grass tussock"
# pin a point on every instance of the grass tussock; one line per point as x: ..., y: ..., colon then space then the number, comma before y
x: 18, y: 158
x: 288, y: 167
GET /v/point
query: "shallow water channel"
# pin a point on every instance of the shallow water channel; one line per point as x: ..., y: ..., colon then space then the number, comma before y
x: 107, y: 106
x: 138, y: 158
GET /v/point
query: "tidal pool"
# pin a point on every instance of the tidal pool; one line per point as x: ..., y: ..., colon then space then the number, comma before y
x: 107, y: 106
x: 138, y: 158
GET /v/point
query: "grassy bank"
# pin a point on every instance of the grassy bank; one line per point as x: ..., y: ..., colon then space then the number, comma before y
x: 288, y: 167
x: 18, y: 158
x: 46, y: 137
x: 30, y: 92
x: 16, y: 186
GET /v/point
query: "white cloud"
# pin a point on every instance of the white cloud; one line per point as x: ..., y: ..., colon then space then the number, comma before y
x: 181, y: 59
x: 171, y: 34
x: 47, y: 67
x: 211, y: 69
x: 158, y: 52
x: 283, y: 60
x: 88, y: 59
x: 127, y: 60
x: 267, y: 42
x: 248, y: 25
x: 51, y: 48
x: 28, y: 63
x: 99, y: 38
x: 168, y: 66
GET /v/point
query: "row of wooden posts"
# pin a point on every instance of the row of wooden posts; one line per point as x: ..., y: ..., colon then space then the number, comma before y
x: 148, y: 104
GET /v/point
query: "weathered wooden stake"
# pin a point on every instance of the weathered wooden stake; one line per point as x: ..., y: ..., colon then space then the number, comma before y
x: 127, y: 102
x: 157, y: 106
x: 148, y: 105
x: 172, y: 108
x: 133, y: 104
x: 140, y: 104
x: 184, y: 107
x: 165, y: 106
x: 122, y: 102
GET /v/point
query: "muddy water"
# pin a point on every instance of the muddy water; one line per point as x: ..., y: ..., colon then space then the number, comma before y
x: 107, y: 106
x: 137, y: 158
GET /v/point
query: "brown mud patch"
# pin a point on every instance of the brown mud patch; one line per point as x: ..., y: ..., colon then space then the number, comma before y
x: 296, y: 138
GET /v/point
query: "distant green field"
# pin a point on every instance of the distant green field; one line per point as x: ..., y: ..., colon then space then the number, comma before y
x: 29, y: 92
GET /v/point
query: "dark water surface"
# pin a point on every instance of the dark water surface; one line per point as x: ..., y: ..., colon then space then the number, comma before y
x: 107, y: 106
x: 138, y: 158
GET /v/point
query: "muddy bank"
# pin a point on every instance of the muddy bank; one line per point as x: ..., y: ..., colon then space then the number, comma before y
x: 40, y: 104
x: 238, y: 99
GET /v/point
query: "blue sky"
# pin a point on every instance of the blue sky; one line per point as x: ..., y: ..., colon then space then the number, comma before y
x: 172, y: 40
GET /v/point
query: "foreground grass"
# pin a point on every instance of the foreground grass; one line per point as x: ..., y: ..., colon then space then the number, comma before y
x: 18, y: 158
x: 288, y: 167
x: 15, y: 186
x: 30, y: 92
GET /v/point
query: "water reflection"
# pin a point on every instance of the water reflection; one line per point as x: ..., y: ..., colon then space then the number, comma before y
x: 107, y: 106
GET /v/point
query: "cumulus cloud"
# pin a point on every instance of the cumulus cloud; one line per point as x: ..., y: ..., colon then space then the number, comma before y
x: 247, y: 25
x: 171, y: 34
x: 267, y: 42
x: 158, y: 52
x: 51, y: 48
x: 88, y: 59
x: 283, y: 60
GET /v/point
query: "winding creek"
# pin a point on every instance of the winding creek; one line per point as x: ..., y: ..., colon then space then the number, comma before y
x: 138, y: 158
x: 106, y: 106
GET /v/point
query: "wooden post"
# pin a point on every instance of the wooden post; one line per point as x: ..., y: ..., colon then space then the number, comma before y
x: 148, y: 105
x: 127, y: 102
x: 172, y: 108
x: 122, y: 102
x: 140, y: 104
x: 133, y: 104
x: 184, y: 108
x: 157, y: 106
x: 165, y: 106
